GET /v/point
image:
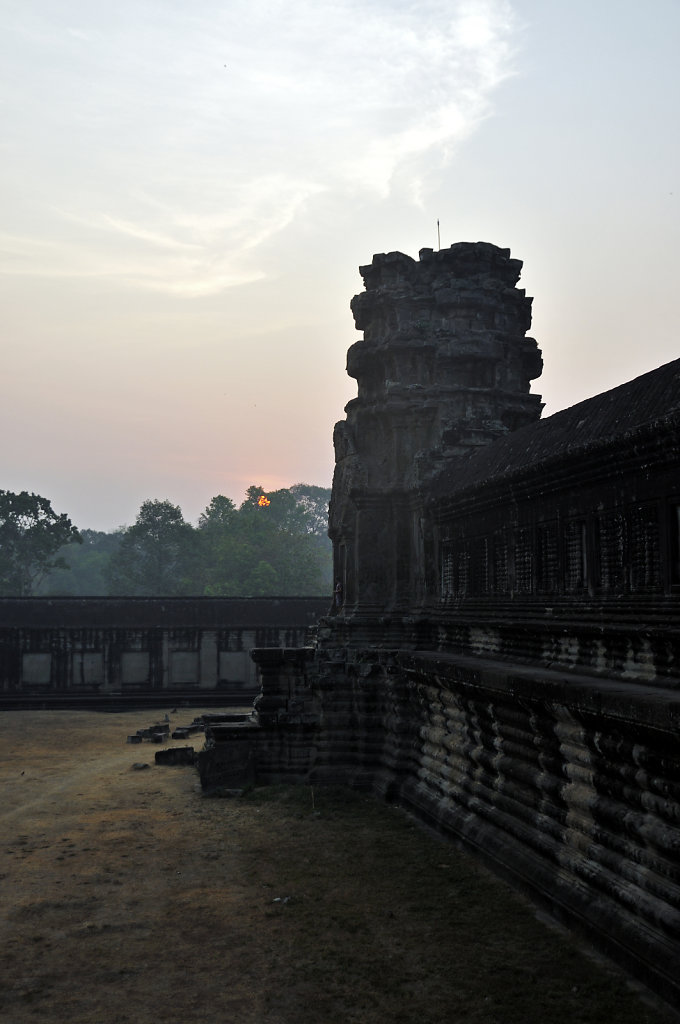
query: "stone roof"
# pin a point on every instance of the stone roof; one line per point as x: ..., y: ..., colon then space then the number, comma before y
x: 162, y: 612
x: 592, y: 424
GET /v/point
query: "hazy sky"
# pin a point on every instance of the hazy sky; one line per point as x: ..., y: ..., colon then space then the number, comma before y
x: 189, y: 186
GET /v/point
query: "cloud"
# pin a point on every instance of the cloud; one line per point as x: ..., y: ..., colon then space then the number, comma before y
x: 163, y: 158
x: 143, y: 234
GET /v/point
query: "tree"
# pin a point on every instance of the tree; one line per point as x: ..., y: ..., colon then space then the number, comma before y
x: 31, y: 534
x: 219, y: 514
x: 86, y: 575
x: 156, y: 555
x: 314, y: 501
x: 275, y: 543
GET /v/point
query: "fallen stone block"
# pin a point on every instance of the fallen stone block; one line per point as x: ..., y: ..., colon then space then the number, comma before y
x: 176, y: 756
x: 182, y: 732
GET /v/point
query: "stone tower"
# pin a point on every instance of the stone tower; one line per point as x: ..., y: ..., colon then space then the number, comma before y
x: 444, y: 367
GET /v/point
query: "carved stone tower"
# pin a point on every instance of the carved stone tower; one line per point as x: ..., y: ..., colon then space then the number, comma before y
x: 444, y: 367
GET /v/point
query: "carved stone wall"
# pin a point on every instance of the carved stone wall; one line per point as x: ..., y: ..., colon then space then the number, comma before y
x: 136, y: 645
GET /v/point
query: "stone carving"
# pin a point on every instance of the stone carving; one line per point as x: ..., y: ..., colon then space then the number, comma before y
x: 444, y: 362
x: 444, y: 367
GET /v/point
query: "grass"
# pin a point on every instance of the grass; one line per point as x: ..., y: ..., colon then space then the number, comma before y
x: 127, y: 897
x: 369, y: 918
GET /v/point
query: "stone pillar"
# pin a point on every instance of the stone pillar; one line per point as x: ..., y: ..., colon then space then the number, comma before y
x: 207, y: 659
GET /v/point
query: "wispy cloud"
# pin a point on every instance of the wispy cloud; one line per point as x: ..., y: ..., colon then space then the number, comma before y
x: 142, y: 234
x: 185, y: 145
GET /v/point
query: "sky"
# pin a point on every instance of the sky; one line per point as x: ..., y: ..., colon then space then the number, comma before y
x: 188, y: 188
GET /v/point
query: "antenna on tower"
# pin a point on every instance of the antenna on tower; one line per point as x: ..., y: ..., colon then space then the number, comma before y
x: 439, y: 240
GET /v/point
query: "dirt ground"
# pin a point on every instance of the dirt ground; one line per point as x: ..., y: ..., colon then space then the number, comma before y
x: 129, y: 898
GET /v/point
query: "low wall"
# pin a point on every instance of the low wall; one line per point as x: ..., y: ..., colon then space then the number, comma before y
x: 129, y: 645
x: 569, y: 786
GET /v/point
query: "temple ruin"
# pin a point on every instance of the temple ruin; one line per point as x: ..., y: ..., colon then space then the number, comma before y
x: 505, y: 657
x: 70, y: 651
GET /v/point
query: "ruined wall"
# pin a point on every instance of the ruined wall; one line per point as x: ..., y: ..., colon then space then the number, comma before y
x: 128, y: 645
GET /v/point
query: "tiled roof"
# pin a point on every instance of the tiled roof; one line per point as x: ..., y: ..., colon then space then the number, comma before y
x: 591, y: 424
x: 163, y: 612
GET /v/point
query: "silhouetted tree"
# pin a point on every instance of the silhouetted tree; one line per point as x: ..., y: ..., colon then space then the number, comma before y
x: 220, y: 513
x: 156, y: 555
x: 31, y: 534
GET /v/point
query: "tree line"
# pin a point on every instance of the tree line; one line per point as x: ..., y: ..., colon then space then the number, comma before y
x: 273, y: 544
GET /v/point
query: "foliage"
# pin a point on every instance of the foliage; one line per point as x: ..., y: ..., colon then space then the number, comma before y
x: 273, y: 545
x: 155, y: 555
x: 268, y: 549
x: 314, y: 502
x: 85, y: 572
x: 218, y: 515
x: 31, y: 534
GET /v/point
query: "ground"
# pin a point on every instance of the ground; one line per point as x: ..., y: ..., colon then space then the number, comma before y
x: 129, y: 898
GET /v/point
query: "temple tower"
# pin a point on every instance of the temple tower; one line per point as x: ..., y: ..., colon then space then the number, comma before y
x: 444, y: 367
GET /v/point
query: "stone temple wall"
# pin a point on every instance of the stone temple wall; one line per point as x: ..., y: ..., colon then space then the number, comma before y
x: 103, y: 646
x: 506, y: 661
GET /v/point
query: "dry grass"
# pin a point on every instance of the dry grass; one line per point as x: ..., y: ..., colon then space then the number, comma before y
x: 128, y: 897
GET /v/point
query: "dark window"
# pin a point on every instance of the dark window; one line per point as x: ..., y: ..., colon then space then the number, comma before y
x: 675, y: 544
x: 447, y: 574
x: 481, y: 565
x: 610, y: 538
x: 575, y: 556
x: 454, y: 570
x: 547, y: 569
x: 644, y: 548
x: 184, y: 639
x: 500, y: 562
x: 462, y: 572
x: 523, y: 561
